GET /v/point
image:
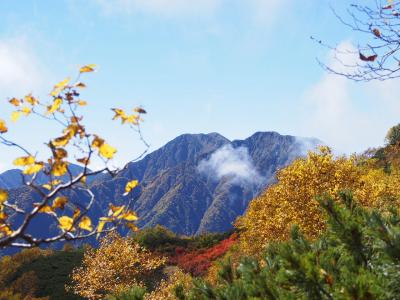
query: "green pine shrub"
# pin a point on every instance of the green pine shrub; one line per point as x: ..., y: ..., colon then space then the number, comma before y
x: 358, y: 257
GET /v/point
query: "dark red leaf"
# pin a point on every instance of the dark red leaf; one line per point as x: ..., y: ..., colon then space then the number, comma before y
x: 376, y: 32
x: 370, y: 58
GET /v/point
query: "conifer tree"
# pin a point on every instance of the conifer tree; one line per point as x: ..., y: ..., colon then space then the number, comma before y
x: 357, y: 257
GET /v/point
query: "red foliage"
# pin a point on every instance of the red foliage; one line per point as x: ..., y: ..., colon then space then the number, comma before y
x: 198, y: 262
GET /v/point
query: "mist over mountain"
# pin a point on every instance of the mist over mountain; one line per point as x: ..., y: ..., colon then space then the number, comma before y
x: 195, y: 183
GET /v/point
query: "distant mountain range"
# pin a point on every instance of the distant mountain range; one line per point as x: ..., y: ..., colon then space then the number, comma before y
x: 195, y: 183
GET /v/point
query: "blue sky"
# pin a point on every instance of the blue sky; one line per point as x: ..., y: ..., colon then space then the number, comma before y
x: 197, y: 66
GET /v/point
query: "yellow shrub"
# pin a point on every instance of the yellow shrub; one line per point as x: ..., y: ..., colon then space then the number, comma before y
x: 292, y: 200
x: 166, y: 288
x: 116, y: 266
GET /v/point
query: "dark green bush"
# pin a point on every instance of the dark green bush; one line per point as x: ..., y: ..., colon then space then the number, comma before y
x: 163, y: 240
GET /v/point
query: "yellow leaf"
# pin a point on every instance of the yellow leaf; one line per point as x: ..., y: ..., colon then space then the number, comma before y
x: 56, y: 105
x: 101, y: 224
x: 129, y: 216
x: 86, y: 224
x: 3, y: 216
x: 133, y: 227
x: 107, y: 151
x: 3, y: 127
x: 15, y: 102
x: 62, y: 84
x: 80, y: 85
x: 83, y: 180
x: 47, y: 186
x: 65, y: 223
x: 5, y: 230
x: 61, y: 141
x: 77, y: 212
x: 82, y: 103
x: 60, y: 153
x: 73, y: 129
x: 133, y: 119
x: 130, y: 186
x: 87, y: 68
x: 115, y: 211
x: 119, y: 113
x: 59, y: 168
x: 83, y: 160
x: 97, y: 142
x: 60, y: 202
x: 76, y: 120
x: 24, y: 161
x: 47, y: 210
x: 140, y: 110
x: 26, y: 110
x: 3, y: 196
x: 15, y: 115
x: 31, y: 100
x: 33, y: 169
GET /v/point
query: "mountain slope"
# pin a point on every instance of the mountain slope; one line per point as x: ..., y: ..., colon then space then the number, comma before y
x: 196, y: 182
x: 10, y: 179
x: 177, y: 193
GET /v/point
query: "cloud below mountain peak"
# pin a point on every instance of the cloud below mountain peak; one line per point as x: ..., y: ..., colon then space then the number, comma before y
x: 232, y: 163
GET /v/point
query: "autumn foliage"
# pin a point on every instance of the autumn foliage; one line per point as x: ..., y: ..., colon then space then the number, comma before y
x: 117, y: 265
x: 166, y: 289
x: 197, y: 262
x: 292, y: 200
x: 74, y: 145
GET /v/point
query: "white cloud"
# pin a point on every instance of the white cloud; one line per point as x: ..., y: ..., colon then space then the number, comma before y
x: 20, y: 70
x: 231, y: 163
x: 349, y: 117
x: 305, y: 145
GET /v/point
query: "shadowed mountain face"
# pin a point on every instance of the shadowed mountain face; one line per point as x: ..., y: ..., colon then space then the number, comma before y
x: 14, y: 178
x: 200, y: 182
x: 10, y: 179
x: 196, y: 182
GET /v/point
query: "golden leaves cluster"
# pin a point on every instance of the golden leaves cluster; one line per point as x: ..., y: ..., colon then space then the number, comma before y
x: 165, y: 290
x: 3, y: 127
x: 74, y: 141
x: 119, y: 214
x: 105, y: 150
x: 5, y: 229
x: 24, y: 106
x: 29, y: 163
x: 292, y: 200
x: 117, y: 265
x: 133, y: 119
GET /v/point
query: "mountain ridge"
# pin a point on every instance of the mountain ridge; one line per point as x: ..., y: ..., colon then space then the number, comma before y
x: 198, y: 182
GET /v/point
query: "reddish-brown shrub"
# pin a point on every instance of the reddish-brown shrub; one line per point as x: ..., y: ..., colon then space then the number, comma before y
x: 198, y: 262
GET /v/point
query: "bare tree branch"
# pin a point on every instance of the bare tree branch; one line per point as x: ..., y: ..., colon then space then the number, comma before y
x: 60, y: 179
x: 378, y: 22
